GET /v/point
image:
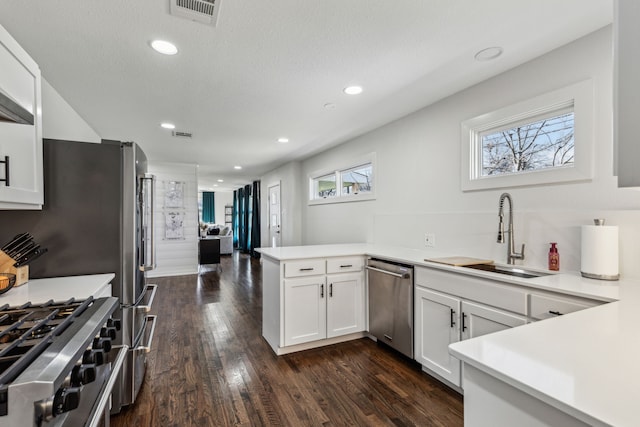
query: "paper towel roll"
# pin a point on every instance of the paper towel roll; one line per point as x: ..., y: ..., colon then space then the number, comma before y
x: 599, y: 258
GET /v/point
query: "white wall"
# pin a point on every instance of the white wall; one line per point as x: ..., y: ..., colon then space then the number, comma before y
x: 418, y: 174
x: 61, y: 121
x: 291, y: 187
x: 179, y: 256
x: 222, y: 198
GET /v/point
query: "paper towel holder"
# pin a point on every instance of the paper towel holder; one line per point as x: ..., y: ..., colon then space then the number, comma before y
x: 612, y: 277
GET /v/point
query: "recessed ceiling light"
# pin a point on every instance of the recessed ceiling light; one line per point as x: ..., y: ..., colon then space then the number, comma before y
x: 221, y: 180
x: 489, y: 53
x: 353, y: 90
x: 283, y: 140
x: 168, y: 125
x: 237, y: 167
x: 164, y: 47
x: 215, y: 185
x: 330, y: 106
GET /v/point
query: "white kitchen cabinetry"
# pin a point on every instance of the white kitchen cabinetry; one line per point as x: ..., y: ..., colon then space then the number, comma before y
x: 21, y: 144
x: 345, y: 304
x: 442, y: 318
x: 626, y: 91
x: 545, y: 306
x: 436, y: 318
x: 305, y: 310
x: 312, y: 302
x: 450, y: 307
x: 478, y: 320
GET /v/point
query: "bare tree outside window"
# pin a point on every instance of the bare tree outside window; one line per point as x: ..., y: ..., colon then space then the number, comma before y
x: 542, y: 144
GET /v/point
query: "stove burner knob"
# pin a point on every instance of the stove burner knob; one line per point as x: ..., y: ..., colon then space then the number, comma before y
x: 116, y: 323
x: 108, y: 332
x: 83, y: 374
x: 102, y: 343
x: 93, y: 356
x: 66, y: 399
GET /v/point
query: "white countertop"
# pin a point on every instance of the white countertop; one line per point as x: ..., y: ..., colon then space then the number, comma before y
x: 40, y: 291
x: 585, y: 363
x: 570, y: 283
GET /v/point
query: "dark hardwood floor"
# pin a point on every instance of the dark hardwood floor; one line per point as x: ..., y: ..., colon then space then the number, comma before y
x: 209, y: 366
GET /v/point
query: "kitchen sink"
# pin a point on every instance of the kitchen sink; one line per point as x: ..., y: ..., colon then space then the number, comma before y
x: 510, y: 271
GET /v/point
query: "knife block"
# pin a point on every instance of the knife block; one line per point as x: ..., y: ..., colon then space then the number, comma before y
x: 6, y: 266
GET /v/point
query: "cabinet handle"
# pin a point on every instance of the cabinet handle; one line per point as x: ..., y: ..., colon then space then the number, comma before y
x: 307, y: 269
x: 464, y: 327
x: 6, y: 171
x: 322, y: 291
x: 453, y: 322
x: 555, y: 313
x: 331, y: 290
x: 346, y: 266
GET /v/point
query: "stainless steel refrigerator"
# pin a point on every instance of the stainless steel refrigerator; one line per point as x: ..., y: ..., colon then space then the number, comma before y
x: 98, y: 218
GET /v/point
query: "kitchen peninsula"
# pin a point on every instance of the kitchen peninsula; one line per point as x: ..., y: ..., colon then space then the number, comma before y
x: 575, y: 367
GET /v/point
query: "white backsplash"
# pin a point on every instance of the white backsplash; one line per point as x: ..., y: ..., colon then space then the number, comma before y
x: 474, y: 234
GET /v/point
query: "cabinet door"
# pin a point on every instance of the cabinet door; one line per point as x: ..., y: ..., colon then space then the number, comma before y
x: 436, y: 326
x: 478, y: 320
x: 345, y: 304
x: 22, y: 143
x: 305, y: 310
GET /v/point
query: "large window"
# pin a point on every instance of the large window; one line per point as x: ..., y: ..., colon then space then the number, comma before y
x: 349, y: 183
x: 547, y: 139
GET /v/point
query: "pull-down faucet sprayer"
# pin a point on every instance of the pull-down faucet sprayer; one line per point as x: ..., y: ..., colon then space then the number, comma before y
x: 512, y: 255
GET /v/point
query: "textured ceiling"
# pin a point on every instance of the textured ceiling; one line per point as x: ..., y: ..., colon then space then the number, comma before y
x: 267, y: 69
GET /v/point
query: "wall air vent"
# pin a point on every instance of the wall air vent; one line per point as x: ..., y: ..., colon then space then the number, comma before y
x: 181, y: 134
x: 205, y: 11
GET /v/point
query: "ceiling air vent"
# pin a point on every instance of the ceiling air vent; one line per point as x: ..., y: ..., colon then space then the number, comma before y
x: 205, y: 11
x: 182, y: 134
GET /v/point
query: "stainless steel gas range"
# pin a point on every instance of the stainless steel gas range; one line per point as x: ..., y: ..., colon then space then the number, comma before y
x: 57, y: 363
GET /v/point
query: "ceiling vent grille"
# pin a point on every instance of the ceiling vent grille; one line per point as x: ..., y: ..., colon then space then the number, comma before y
x: 205, y: 11
x: 181, y: 134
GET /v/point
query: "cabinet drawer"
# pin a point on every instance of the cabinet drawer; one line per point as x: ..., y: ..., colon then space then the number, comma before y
x: 304, y: 267
x: 344, y: 264
x: 495, y: 294
x: 547, y: 306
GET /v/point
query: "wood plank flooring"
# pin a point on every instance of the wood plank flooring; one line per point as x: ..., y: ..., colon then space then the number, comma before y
x: 209, y: 366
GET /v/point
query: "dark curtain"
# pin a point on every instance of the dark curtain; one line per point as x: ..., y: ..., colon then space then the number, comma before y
x: 244, y: 243
x: 255, y: 219
x: 246, y: 210
x: 236, y: 217
x: 208, y: 207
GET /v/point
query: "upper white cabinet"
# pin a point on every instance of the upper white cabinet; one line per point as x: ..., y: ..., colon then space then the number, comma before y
x: 626, y: 91
x: 21, y: 173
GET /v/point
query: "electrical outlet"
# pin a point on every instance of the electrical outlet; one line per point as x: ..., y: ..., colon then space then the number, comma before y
x: 430, y: 240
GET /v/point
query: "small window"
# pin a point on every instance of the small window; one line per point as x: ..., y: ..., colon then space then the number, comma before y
x: 356, y: 180
x: 541, y: 144
x: 350, y: 183
x: 325, y: 186
x: 548, y: 139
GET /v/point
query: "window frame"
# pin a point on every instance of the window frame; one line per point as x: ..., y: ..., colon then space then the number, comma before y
x: 579, y: 95
x: 337, y: 172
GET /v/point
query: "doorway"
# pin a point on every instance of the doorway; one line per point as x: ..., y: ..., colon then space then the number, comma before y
x: 275, y: 229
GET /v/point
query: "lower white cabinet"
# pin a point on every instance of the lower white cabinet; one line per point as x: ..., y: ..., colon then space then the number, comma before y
x: 345, y: 304
x: 305, y: 310
x: 442, y: 319
x: 436, y: 318
x: 320, y: 307
x: 478, y: 320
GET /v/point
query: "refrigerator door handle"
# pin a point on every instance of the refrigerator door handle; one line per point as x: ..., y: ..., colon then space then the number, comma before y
x: 150, y: 179
x: 151, y: 289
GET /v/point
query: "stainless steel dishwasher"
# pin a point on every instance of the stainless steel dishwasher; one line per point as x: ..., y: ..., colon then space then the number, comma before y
x: 391, y: 304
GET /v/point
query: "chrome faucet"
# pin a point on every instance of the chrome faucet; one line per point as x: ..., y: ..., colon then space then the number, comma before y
x: 511, y: 254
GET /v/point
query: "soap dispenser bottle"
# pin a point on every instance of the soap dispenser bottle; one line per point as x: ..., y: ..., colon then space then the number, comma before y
x: 554, y: 258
